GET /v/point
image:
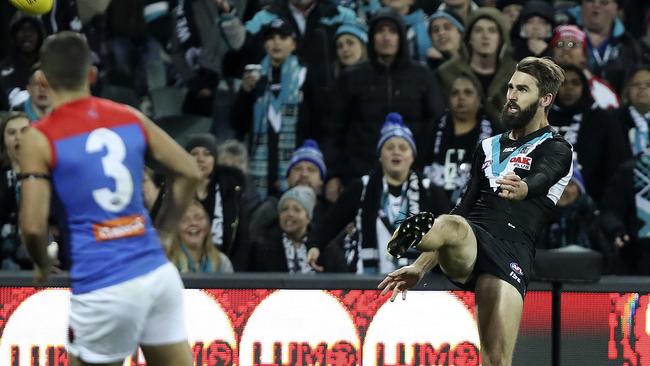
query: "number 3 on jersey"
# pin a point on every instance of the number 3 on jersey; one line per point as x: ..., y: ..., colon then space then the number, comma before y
x: 112, y: 163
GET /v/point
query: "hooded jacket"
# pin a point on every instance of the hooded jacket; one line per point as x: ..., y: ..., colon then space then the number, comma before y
x: 596, y: 137
x: 15, y: 69
x: 367, y: 92
x: 624, y: 52
x: 495, y: 95
x: 538, y: 8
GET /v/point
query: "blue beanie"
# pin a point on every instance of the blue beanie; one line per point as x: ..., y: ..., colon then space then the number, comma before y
x: 309, y: 151
x: 451, y: 16
x: 356, y: 29
x: 394, y: 127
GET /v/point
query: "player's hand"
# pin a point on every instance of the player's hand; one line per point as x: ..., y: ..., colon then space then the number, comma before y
x: 400, y: 281
x: 621, y: 240
x: 512, y: 187
x: 333, y: 189
x: 312, y: 258
x: 248, y: 81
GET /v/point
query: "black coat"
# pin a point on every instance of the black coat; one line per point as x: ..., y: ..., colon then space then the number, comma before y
x: 236, y: 241
x: 600, y: 142
x: 366, y: 94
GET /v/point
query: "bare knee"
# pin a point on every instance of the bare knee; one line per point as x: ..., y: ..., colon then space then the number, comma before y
x: 453, y: 228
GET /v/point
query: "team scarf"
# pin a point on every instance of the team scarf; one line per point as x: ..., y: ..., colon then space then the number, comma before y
x: 296, y: 257
x: 281, y: 114
x: 642, y: 193
x: 360, y: 247
x: 639, y: 134
x: 418, y: 34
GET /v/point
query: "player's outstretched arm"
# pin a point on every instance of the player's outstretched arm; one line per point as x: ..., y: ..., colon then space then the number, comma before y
x: 401, y: 280
x: 34, y: 158
x: 174, y: 162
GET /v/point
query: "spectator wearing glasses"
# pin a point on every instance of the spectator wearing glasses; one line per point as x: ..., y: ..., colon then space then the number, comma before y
x: 597, y: 140
x: 569, y: 47
x: 610, y: 49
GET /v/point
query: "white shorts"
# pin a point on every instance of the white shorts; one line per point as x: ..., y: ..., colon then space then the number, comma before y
x: 108, y: 324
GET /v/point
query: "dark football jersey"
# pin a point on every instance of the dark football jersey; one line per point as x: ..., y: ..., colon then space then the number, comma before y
x: 543, y: 159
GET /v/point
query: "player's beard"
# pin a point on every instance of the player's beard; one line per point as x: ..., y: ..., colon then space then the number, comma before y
x: 520, y: 119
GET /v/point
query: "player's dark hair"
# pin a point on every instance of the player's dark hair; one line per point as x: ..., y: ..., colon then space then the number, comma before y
x: 65, y: 60
x: 548, y: 74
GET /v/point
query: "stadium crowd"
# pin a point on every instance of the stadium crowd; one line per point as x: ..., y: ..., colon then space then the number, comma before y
x: 319, y: 124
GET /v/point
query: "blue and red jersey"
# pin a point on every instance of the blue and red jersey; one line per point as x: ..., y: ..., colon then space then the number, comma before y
x: 97, y: 163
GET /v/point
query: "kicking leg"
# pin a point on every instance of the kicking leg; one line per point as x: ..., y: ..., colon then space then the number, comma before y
x: 175, y: 354
x: 452, y: 237
x: 499, y: 307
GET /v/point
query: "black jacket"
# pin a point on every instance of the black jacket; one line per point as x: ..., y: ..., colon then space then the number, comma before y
x: 236, y: 241
x: 600, y: 144
x: 15, y: 69
x: 367, y: 93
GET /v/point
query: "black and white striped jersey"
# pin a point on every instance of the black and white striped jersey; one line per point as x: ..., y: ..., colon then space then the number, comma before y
x: 543, y: 159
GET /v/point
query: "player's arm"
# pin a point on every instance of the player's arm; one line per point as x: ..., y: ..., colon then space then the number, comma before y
x: 549, y: 167
x: 473, y: 188
x: 34, y: 157
x: 182, y: 174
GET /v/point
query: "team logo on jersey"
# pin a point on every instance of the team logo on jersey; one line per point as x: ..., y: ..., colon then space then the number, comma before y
x: 515, y: 268
x: 486, y: 164
x: 122, y: 227
x: 521, y: 162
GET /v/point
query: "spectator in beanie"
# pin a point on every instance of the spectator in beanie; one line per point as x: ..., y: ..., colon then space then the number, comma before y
x: 597, y: 140
x: 376, y: 203
x: 192, y: 249
x: 634, y: 115
x: 511, y: 10
x: 569, y: 47
x: 314, y: 24
x: 306, y: 168
x: 532, y: 32
x: 368, y: 92
x: 282, y: 248
x: 462, y: 7
x: 351, y: 40
x: 611, y: 50
x: 489, y: 61
x: 446, y: 30
x: 220, y: 193
x: 277, y: 111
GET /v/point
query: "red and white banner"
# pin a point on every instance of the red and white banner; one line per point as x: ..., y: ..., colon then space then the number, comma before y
x: 265, y: 327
